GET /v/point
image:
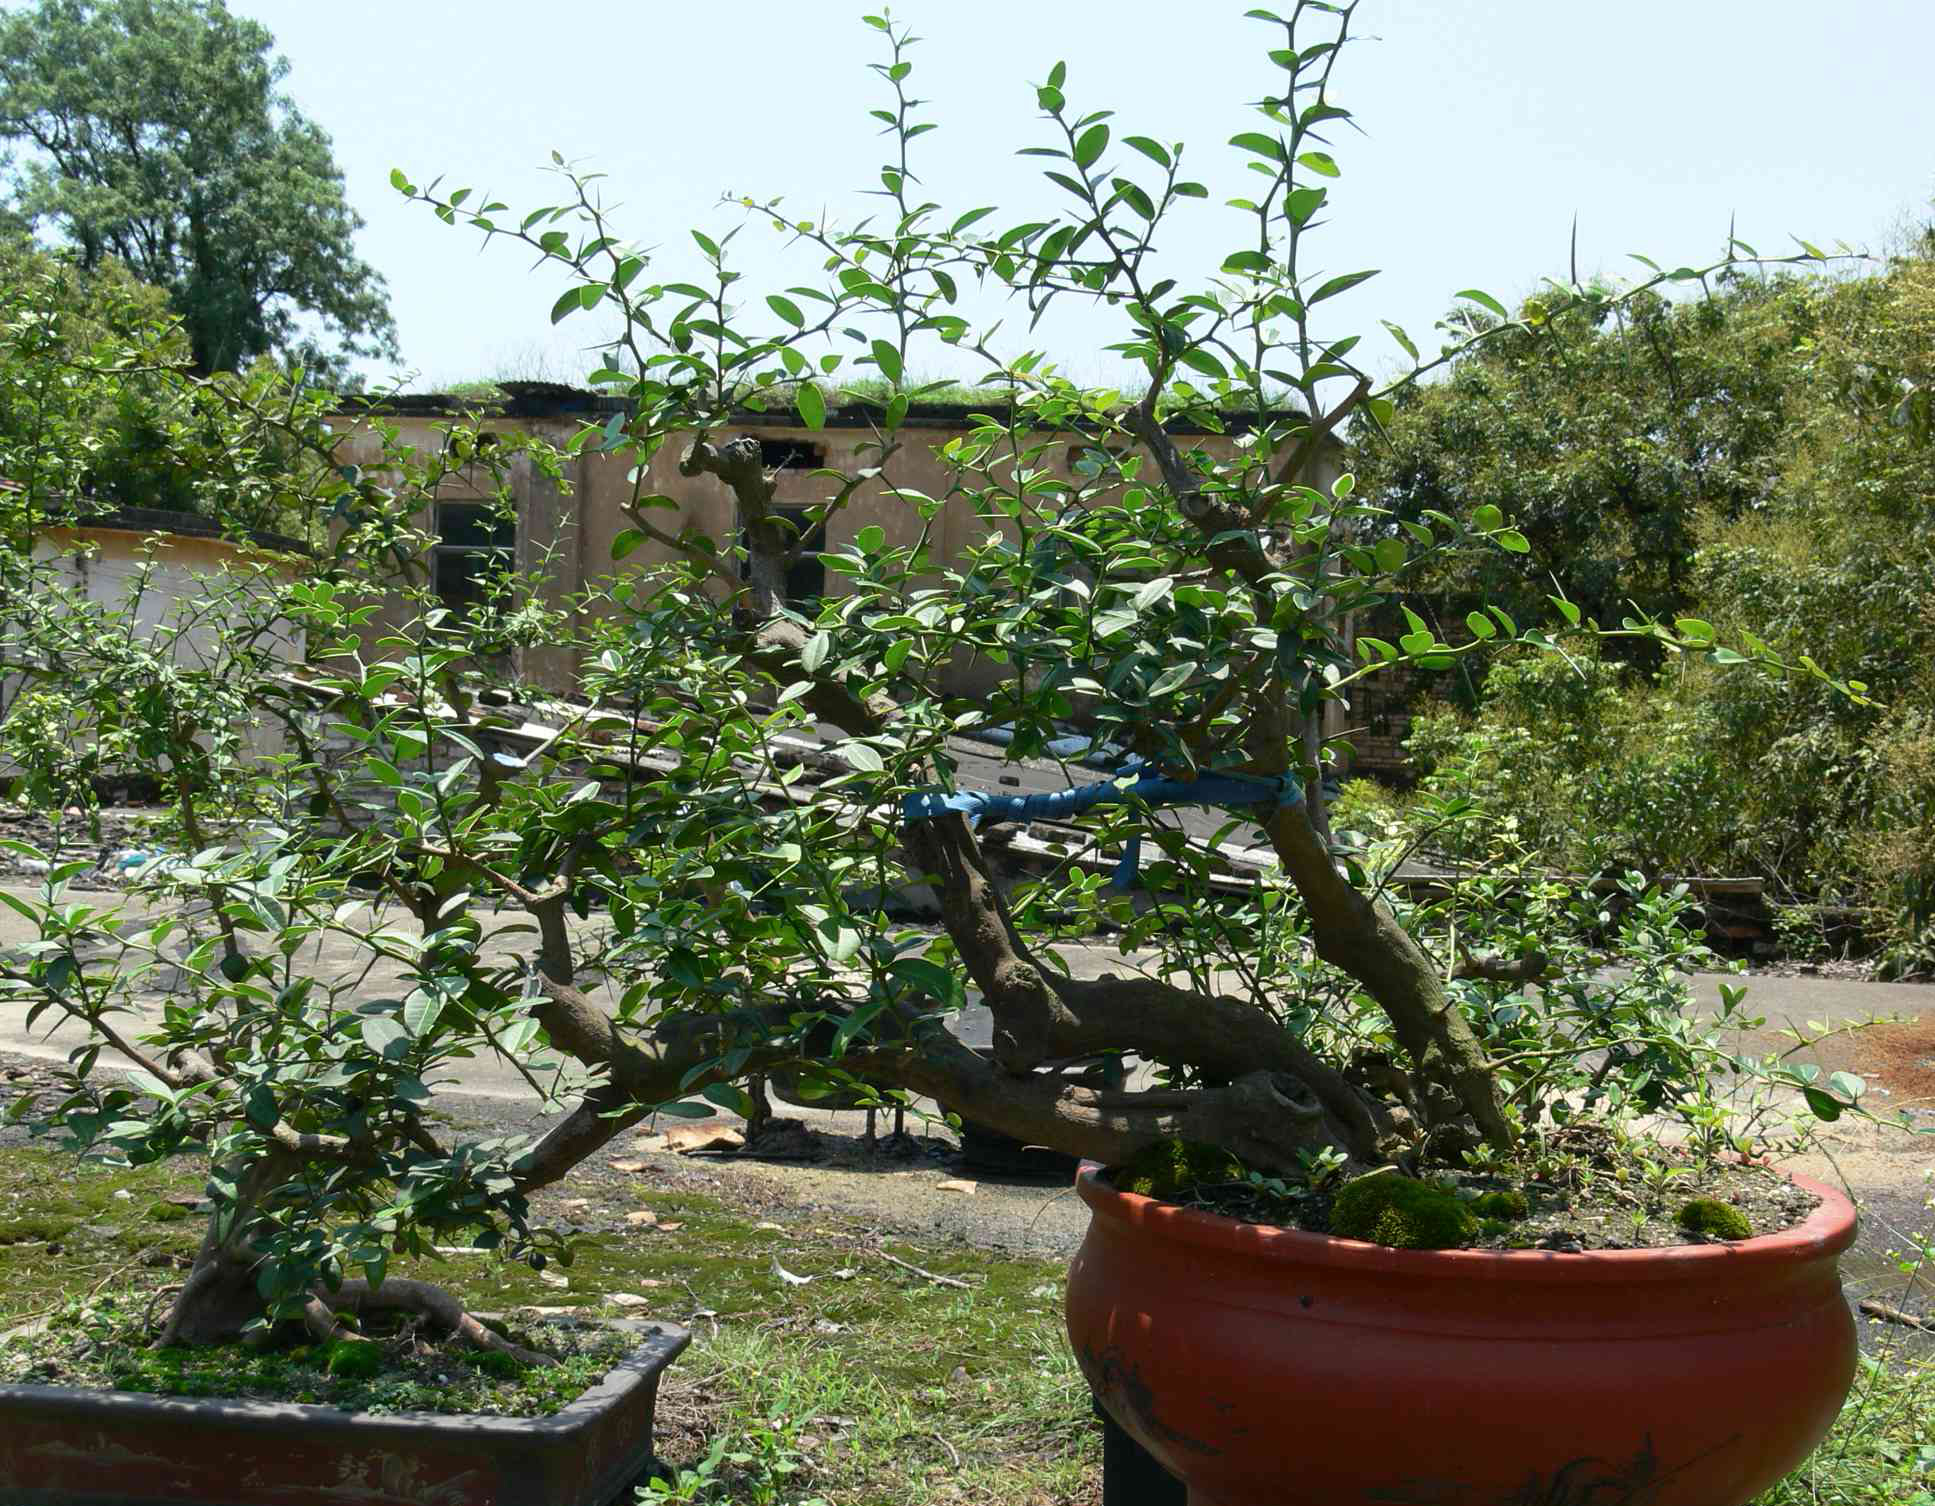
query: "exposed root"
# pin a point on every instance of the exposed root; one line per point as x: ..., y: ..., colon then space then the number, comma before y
x: 422, y: 1298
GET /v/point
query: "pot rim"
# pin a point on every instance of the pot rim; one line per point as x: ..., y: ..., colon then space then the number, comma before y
x: 1823, y: 1234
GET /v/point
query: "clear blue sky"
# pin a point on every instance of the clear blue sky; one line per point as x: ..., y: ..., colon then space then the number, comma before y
x: 1489, y: 124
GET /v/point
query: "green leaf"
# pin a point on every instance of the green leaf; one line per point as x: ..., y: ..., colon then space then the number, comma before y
x: 685, y: 1110
x: 1485, y: 300
x: 628, y: 540
x: 1172, y: 679
x: 1824, y: 1107
x: 870, y: 539
x: 1514, y: 542
x: 1696, y: 629
x: 421, y: 1011
x: 1248, y: 261
x: 261, y: 1108
x: 1566, y: 609
x: 1487, y: 518
x: 1391, y: 554
x: 1301, y: 203
x: 1153, y: 592
x: 1198, y: 359
x: 1090, y: 145
x: 1256, y: 141
x: 1341, y: 284
x: 1481, y: 626
x: 1404, y: 341
x: 1847, y: 1085
x: 1150, y: 149
x: 385, y: 1036
x: 727, y: 1096
x: 862, y: 756
x: 887, y: 358
x: 814, y: 652
x: 786, y: 309
x: 1321, y: 163
x: 929, y: 978
x: 812, y: 405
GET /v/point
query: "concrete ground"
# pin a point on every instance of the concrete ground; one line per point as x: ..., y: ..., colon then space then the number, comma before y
x: 925, y: 1189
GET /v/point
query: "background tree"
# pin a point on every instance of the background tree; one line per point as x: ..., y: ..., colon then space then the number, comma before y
x: 1758, y: 458
x: 1610, y: 431
x: 154, y: 131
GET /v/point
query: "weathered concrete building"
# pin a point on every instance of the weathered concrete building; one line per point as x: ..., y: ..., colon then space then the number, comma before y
x: 566, y: 536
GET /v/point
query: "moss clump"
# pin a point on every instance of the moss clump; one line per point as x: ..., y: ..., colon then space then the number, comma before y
x: 167, y: 1213
x: 493, y: 1362
x: 34, y: 1230
x: 1506, y: 1205
x: 1705, y: 1215
x: 353, y: 1359
x: 1386, y: 1208
x: 1174, y: 1168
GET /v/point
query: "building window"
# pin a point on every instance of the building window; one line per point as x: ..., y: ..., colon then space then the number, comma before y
x: 790, y: 455
x: 474, y: 539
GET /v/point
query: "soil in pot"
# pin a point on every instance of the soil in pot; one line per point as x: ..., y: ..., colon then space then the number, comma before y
x: 394, y: 1367
x: 1587, y: 1189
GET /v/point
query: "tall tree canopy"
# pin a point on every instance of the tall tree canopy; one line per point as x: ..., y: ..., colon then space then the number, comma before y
x: 154, y: 131
x: 1608, y: 434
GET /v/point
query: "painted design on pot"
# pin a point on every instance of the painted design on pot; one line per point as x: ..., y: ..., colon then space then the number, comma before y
x: 1577, y: 1482
x: 1122, y: 1389
x: 395, y: 1480
x: 102, y: 1451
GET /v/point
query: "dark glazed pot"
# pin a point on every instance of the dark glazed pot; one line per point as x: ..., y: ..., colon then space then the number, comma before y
x: 65, y: 1446
x: 1270, y: 1367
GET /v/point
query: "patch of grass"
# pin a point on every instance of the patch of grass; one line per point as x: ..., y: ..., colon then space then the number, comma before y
x: 867, y: 1384
x: 1881, y: 1451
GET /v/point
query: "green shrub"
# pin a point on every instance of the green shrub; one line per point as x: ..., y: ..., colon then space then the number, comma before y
x: 1364, y: 805
x: 1386, y: 1208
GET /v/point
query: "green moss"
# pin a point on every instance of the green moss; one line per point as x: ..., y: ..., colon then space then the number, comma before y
x: 1385, y: 1208
x: 1507, y: 1205
x: 1174, y: 1168
x: 20, y: 1231
x: 1705, y: 1215
x: 493, y: 1362
x: 167, y: 1213
x: 354, y: 1359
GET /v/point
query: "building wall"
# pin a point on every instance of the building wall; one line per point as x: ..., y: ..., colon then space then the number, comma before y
x: 565, y: 540
x: 104, y: 562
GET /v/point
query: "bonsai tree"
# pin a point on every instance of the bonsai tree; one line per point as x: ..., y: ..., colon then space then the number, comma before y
x: 711, y: 851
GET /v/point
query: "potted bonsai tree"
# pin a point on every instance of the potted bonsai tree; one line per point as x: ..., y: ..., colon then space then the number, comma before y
x: 753, y: 793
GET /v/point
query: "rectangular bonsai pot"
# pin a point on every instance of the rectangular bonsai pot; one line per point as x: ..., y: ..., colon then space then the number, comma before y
x: 66, y: 1446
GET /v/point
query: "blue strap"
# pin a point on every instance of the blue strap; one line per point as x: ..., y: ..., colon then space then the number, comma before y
x: 1150, y: 789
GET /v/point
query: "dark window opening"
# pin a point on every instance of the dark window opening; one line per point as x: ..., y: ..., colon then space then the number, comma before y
x: 806, y: 576
x: 474, y: 541
x: 790, y: 455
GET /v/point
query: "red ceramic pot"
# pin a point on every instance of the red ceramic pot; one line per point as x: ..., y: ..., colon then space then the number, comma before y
x: 1270, y: 1367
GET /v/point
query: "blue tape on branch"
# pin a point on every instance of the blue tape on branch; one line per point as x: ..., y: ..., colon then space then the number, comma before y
x: 1154, y: 790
